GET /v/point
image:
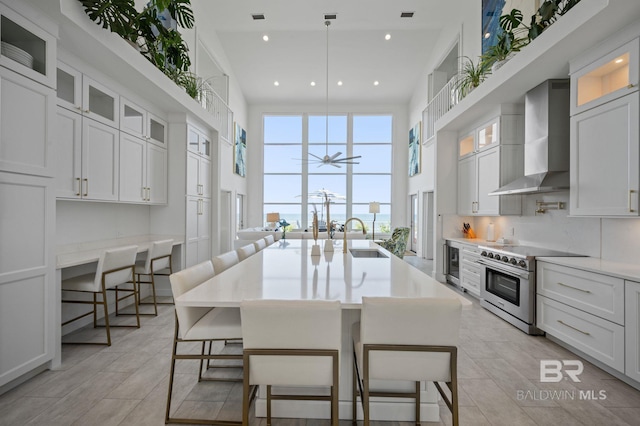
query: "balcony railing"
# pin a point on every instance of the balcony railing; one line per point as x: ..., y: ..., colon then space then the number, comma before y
x: 442, y: 102
x: 223, y: 116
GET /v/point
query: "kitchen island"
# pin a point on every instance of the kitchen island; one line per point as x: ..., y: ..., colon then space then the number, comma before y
x: 286, y: 270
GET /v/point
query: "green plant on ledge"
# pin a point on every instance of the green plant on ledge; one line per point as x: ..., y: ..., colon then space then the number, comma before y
x: 162, y: 46
x: 471, y: 76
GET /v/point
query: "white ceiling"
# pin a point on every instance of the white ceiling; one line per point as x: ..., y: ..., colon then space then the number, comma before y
x: 296, y: 52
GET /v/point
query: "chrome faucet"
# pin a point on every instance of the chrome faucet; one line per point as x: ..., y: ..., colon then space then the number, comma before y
x: 344, y: 243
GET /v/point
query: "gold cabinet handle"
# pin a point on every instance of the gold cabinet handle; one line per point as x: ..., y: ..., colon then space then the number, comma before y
x: 575, y: 288
x: 87, y: 111
x: 79, y: 186
x: 86, y: 187
x: 573, y: 328
x: 631, y: 191
x: 148, y: 194
x: 631, y: 86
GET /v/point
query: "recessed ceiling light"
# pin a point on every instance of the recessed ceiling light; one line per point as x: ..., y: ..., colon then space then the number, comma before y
x: 276, y: 83
x: 313, y: 83
x: 387, y: 37
x: 375, y: 83
x: 257, y: 16
x: 340, y: 83
x: 619, y: 61
x: 487, y: 35
x: 406, y: 15
x: 265, y: 37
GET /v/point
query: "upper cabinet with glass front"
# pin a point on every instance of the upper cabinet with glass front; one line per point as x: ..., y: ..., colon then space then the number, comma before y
x: 26, y: 48
x: 483, y: 137
x: 77, y: 92
x: 606, y: 79
x: 138, y: 122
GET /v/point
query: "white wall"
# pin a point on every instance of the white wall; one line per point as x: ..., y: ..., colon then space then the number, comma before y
x: 399, y: 163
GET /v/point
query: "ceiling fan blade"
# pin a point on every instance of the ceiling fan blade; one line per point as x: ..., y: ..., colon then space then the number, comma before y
x: 336, y: 165
x: 340, y: 160
x: 313, y: 155
x: 334, y: 156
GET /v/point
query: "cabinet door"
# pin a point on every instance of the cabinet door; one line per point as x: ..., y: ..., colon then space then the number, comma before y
x: 69, y: 87
x: 193, y: 174
x: 156, y: 174
x: 466, y: 145
x: 27, y: 48
x: 488, y: 135
x: 156, y: 130
x: 488, y: 170
x: 467, y: 186
x: 133, y: 168
x: 632, y: 330
x: 133, y: 119
x: 604, y: 159
x: 610, y: 77
x: 99, y: 102
x: 68, y: 148
x: 204, y: 177
x: 191, y: 231
x: 27, y: 118
x: 27, y: 275
x: 204, y: 230
x: 100, y: 161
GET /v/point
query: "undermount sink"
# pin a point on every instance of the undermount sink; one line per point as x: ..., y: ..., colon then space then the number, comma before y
x: 367, y: 253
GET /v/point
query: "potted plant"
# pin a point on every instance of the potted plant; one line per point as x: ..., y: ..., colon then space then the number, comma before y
x: 471, y: 76
x: 507, y: 43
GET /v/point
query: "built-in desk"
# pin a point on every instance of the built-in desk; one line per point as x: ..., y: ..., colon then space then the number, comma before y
x: 286, y: 270
x: 81, y: 258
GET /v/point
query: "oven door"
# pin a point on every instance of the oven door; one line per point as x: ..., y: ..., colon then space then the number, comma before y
x: 509, y: 289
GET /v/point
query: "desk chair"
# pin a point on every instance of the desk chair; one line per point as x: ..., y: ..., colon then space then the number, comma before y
x: 246, y: 251
x: 291, y: 343
x: 405, y: 339
x: 224, y: 261
x: 158, y: 259
x: 200, y: 324
x: 115, y: 267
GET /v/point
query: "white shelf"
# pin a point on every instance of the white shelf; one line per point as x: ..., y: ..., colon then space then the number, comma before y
x: 586, y: 25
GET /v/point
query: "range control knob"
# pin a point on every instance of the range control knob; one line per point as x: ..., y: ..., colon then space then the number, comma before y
x: 484, y: 253
x: 522, y: 264
x: 505, y: 259
x: 513, y: 261
x: 490, y: 255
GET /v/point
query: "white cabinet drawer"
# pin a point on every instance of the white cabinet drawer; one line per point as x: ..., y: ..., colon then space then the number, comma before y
x: 632, y: 330
x: 470, y: 276
x: 601, y: 339
x: 597, y: 294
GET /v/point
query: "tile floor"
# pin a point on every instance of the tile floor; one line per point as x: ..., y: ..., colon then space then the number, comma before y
x: 126, y: 384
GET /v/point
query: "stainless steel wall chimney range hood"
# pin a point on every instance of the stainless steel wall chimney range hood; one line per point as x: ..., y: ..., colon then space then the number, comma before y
x: 546, y: 141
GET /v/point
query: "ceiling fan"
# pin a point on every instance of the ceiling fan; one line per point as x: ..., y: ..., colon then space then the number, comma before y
x: 332, y: 160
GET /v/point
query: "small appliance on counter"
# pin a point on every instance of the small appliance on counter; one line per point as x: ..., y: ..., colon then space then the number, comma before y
x: 490, y: 233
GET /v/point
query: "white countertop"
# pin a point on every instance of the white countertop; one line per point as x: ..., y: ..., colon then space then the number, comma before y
x: 82, y: 253
x: 290, y: 272
x: 627, y: 271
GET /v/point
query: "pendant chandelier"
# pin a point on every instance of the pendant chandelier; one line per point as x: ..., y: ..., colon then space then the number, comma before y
x: 332, y: 160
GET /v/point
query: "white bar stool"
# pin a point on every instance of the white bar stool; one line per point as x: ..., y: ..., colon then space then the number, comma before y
x: 158, y: 259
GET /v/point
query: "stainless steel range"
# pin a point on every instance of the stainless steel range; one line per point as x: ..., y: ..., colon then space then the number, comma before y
x: 508, y: 283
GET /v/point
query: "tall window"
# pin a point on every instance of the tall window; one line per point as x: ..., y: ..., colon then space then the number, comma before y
x: 289, y: 179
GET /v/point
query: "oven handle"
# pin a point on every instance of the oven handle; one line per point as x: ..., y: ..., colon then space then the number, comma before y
x: 510, y: 272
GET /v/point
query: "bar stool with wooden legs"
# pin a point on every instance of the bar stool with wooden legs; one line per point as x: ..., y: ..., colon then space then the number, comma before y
x: 115, y: 267
x: 158, y: 259
x: 405, y: 339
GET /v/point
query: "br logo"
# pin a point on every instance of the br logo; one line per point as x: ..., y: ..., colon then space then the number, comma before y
x: 551, y: 370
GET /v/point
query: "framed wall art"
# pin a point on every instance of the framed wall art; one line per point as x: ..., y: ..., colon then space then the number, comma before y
x: 414, y: 149
x: 240, y: 151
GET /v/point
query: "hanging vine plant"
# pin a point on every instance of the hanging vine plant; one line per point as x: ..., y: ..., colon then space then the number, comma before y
x: 152, y: 30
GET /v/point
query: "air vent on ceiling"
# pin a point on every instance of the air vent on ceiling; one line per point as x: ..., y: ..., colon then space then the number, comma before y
x: 406, y: 15
x: 257, y: 16
x: 330, y: 16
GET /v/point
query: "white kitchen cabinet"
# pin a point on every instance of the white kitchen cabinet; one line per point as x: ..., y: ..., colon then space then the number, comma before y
x: 613, y: 75
x: 27, y: 48
x: 484, y: 137
x: 136, y: 121
x: 27, y: 274
x: 632, y: 330
x: 605, y: 170
x: 198, y: 175
x: 486, y: 171
x: 88, y: 163
x: 198, y: 142
x: 198, y: 232
x: 27, y: 117
x: 80, y: 93
x: 143, y: 171
x: 470, y: 271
